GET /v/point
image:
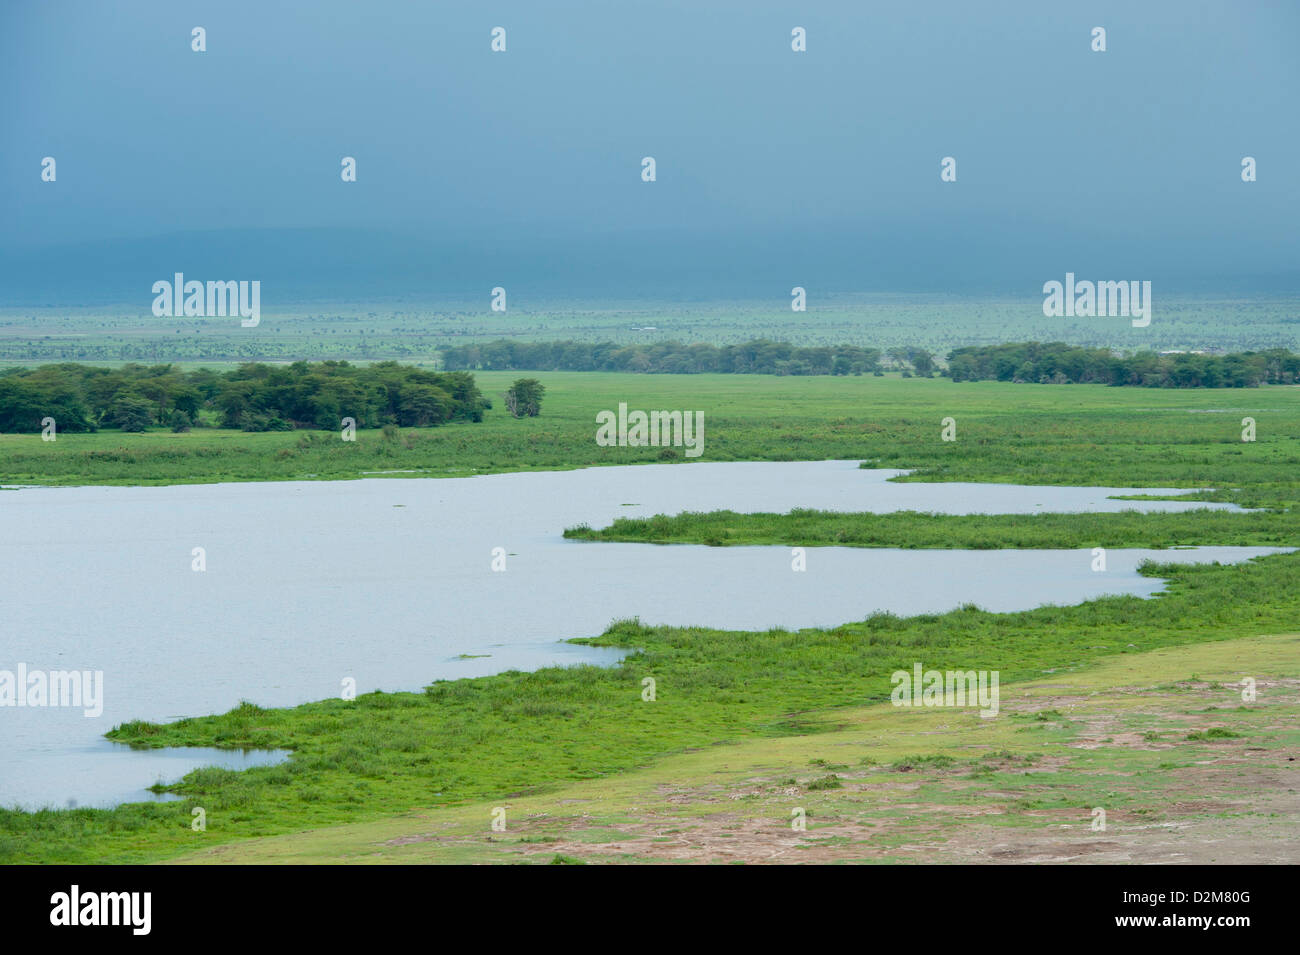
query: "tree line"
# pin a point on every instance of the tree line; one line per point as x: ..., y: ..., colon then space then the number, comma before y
x: 252, y: 397
x: 1059, y: 363
x: 265, y: 397
x: 1044, y: 363
x: 758, y: 357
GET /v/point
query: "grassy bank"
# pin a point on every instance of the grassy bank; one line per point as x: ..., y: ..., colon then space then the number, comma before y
x: 1159, y: 740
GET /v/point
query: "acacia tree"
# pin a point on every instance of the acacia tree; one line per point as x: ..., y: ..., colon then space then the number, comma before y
x: 525, y: 398
x: 133, y: 413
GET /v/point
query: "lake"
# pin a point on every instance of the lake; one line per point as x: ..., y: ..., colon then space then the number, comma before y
x: 389, y: 582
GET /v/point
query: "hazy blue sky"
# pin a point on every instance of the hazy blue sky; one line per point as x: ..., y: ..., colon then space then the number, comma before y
x: 775, y: 168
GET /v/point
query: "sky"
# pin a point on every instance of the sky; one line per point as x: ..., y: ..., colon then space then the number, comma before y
x: 523, y: 168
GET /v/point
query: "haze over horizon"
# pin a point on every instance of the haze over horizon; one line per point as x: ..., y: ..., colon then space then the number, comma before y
x: 523, y: 168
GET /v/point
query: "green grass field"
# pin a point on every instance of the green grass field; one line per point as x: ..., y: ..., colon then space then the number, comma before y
x: 1033, y: 434
x: 532, y: 737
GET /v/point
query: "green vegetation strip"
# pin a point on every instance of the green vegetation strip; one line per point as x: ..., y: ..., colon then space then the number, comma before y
x: 911, y: 529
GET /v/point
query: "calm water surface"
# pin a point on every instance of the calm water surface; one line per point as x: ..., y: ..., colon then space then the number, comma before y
x: 389, y: 582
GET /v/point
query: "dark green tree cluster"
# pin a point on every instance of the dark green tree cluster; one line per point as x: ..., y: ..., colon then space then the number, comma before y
x: 758, y: 357
x: 254, y: 397
x: 1059, y: 363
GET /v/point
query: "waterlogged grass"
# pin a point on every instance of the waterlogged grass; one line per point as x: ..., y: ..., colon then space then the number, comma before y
x: 516, y: 734
x: 911, y: 529
x: 1032, y: 434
